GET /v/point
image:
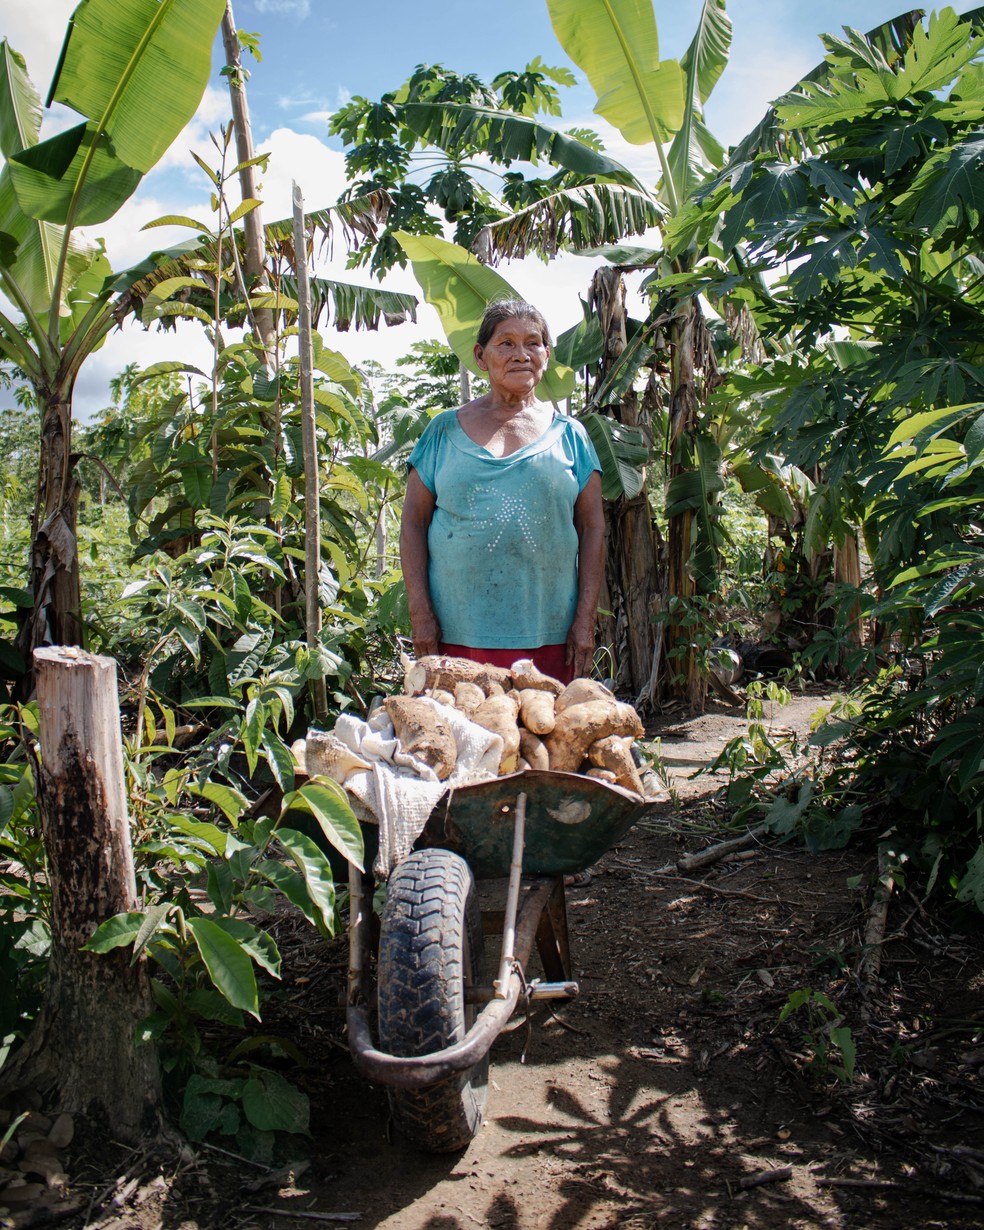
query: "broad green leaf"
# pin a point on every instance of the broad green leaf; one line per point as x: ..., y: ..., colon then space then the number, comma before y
x: 929, y: 423
x: 227, y: 799
x: 139, y: 69
x: 623, y: 455
x: 72, y: 177
x: 581, y: 218
x: 219, y: 885
x: 163, y: 291
x: 280, y: 503
x: 316, y: 870
x: 150, y: 926
x: 117, y: 932
x: 292, y: 884
x: 948, y: 194
x: 694, y: 149
x: 20, y: 103
x: 506, y: 136
x: 178, y: 220
x: 260, y: 946
x: 244, y: 207
x: 247, y: 653
x: 228, y: 964
x: 328, y: 803
x: 583, y: 345
x: 273, y: 1104
x: 209, y: 834
x: 279, y: 759
x: 196, y: 478
x: 460, y: 288
x: 616, y: 43
x: 37, y: 247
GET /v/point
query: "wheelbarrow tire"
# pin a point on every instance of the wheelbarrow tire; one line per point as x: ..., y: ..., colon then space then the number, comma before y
x: 430, y: 947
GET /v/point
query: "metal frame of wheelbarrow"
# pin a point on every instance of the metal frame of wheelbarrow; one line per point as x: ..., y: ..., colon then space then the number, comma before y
x: 541, y: 917
x: 575, y: 819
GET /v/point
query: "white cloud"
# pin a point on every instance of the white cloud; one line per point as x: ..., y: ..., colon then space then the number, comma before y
x: 38, y: 37
x: 296, y: 8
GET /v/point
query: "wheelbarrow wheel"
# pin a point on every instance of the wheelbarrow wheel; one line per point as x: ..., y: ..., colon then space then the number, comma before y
x: 430, y: 948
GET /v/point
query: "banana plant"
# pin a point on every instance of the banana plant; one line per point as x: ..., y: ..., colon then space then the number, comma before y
x: 658, y: 101
x: 135, y: 74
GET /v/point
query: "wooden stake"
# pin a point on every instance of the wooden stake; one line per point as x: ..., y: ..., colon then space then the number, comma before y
x: 312, y: 506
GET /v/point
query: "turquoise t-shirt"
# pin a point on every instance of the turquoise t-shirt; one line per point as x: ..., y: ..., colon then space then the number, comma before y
x: 502, y: 542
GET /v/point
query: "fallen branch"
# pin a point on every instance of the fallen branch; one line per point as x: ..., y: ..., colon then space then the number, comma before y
x: 893, y: 1185
x: 781, y: 1175
x: 712, y: 854
x: 309, y: 1216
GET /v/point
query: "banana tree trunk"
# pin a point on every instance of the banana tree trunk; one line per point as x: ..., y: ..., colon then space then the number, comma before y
x: 683, y: 679
x: 633, y: 564
x: 633, y: 569
x: 56, y: 617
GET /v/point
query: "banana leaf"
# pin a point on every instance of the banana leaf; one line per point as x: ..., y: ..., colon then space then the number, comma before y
x: 460, y: 287
x: 623, y: 454
x: 136, y: 70
x: 616, y: 43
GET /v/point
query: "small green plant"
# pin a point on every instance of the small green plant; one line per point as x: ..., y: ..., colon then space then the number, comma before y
x: 652, y: 758
x: 759, y: 754
x: 830, y: 1046
x: 214, y: 965
x: 25, y: 934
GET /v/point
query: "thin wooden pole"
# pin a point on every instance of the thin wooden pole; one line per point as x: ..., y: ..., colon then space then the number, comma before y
x: 309, y: 435
x: 252, y: 222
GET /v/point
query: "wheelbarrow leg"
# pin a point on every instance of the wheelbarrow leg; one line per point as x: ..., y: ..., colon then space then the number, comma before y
x: 552, y: 937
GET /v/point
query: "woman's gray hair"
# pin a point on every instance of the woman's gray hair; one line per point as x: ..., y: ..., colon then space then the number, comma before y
x: 511, y: 309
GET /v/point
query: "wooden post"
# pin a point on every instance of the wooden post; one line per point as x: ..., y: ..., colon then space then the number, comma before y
x: 82, y: 1052
x: 309, y: 439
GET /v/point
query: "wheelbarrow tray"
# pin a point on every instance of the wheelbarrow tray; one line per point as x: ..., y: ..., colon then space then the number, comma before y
x: 571, y: 821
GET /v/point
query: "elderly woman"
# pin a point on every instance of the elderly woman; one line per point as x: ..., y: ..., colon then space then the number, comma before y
x: 501, y: 541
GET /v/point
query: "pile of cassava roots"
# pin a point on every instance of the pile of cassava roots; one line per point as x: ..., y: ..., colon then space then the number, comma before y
x: 580, y: 728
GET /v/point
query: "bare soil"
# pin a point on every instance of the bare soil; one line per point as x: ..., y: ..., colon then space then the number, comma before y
x: 667, y: 1094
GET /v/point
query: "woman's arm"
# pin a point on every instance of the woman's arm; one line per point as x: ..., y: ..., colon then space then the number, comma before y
x: 418, y: 509
x: 589, y: 521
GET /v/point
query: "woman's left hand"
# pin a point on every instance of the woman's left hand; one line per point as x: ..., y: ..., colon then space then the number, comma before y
x: 580, y: 646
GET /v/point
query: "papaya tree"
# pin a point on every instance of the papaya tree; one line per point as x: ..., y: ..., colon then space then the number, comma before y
x: 864, y: 200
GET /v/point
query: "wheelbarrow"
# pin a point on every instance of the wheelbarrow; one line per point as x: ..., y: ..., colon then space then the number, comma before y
x: 437, y: 1018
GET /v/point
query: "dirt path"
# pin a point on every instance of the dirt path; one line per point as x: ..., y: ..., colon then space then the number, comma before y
x: 668, y: 1094
x: 666, y: 1090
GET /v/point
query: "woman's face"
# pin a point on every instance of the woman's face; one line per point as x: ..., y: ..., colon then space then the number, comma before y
x: 515, y: 356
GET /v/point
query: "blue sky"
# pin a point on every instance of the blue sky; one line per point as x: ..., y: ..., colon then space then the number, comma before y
x: 319, y: 53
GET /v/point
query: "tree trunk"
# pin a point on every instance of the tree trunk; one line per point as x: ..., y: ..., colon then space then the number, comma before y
x: 256, y: 275
x: 56, y: 618
x: 81, y: 1053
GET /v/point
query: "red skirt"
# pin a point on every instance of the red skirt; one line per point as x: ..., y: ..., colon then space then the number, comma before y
x: 547, y: 658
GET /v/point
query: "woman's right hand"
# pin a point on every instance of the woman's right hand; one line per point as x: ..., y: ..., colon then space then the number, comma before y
x: 425, y: 633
